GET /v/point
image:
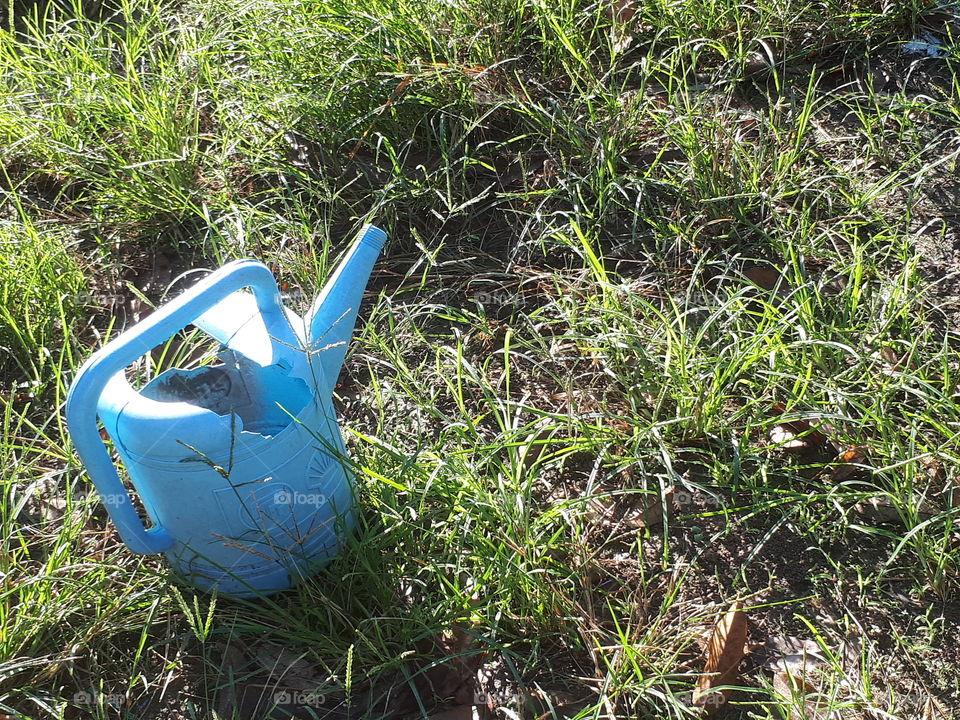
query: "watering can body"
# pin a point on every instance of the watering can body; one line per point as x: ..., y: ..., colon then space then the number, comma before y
x: 239, y: 465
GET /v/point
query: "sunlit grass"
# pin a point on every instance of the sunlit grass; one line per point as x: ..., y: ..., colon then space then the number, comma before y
x: 627, y: 243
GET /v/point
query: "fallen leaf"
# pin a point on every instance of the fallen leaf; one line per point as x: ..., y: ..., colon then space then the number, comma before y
x: 785, y: 439
x: 787, y: 685
x: 789, y: 654
x: 650, y: 512
x: 289, y: 668
x: 934, y: 471
x: 802, y: 428
x: 621, y: 11
x: 767, y: 278
x: 446, y: 671
x: 847, y: 463
x: 795, y: 690
x: 890, y: 356
x: 881, y: 508
x: 892, y: 361
x: 851, y: 655
x: 934, y: 710
x: 951, y: 492
x: 724, y: 653
x: 232, y: 662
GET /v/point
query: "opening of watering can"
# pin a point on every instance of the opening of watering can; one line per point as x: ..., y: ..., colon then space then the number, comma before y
x: 263, y: 399
x: 214, y: 405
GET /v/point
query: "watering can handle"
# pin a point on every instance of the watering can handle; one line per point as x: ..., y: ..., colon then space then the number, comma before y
x: 123, y: 350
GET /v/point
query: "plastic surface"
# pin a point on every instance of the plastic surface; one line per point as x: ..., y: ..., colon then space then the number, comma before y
x: 333, y: 315
x: 240, y: 466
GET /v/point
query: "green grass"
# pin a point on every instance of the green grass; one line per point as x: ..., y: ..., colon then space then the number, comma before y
x: 627, y: 243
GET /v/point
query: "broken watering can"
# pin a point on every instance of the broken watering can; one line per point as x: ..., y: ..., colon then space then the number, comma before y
x: 240, y: 466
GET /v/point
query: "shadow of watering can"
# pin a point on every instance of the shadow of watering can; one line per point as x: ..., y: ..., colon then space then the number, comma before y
x: 240, y: 466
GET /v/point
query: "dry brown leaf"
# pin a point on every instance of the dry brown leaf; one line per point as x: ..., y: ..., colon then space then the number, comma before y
x: 803, y: 428
x: 724, y: 653
x: 789, y: 654
x: 452, y: 678
x: 847, y: 463
x: 288, y: 668
x: 933, y: 469
x: 787, y: 440
x: 650, y: 512
x: 787, y: 685
x: 880, y: 508
x: 893, y: 361
x: 794, y: 688
x: 934, y: 710
x: 890, y: 356
x: 767, y: 278
x: 951, y: 492
x: 621, y: 11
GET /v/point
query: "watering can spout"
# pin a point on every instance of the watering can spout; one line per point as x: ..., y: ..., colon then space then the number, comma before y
x: 333, y: 315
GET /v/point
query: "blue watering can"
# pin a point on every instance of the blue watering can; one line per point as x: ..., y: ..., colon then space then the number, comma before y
x: 240, y: 466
